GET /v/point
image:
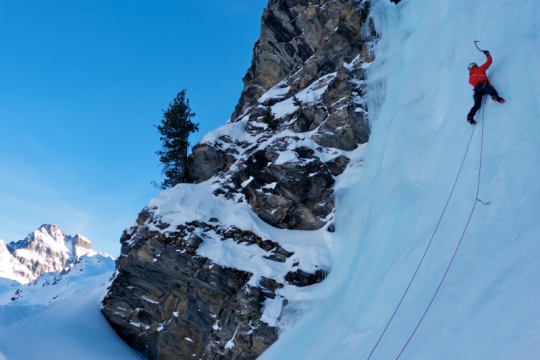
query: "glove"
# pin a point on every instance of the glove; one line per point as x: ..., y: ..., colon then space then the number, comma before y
x: 486, y: 52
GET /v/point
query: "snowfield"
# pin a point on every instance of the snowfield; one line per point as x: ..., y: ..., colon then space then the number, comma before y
x: 59, y: 316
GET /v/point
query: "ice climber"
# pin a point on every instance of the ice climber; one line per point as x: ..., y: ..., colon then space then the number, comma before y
x: 480, y: 82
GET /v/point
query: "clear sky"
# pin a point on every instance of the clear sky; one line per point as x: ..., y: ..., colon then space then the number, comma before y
x: 82, y: 84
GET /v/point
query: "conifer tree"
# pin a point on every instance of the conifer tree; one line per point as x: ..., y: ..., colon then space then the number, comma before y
x: 175, y: 128
x: 297, y: 102
x: 269, y: 118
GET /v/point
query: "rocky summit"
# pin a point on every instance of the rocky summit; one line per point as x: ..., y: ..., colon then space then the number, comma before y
x: 198, y: 277
x: 46, y: 250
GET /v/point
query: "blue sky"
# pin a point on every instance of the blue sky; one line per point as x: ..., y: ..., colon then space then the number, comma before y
x: 82, y: 85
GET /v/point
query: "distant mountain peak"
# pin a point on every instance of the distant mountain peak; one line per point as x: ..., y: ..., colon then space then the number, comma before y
x: 47, y: 249
x: 52, y: 229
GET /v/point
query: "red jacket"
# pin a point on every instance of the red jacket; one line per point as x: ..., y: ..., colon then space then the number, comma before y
x: 478, y: 73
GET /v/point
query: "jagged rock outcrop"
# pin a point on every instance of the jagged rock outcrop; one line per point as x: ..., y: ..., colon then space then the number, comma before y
x: 169, y: 303
x: 296, y: 194
x: 302, y: 42
x: 308, y: 67
x: 300, y: 113
x: 208, y: 161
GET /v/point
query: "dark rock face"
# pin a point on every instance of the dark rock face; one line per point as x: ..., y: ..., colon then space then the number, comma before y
x: 291, y: 199
x: 301, y: 278
x: 338, y: 164
x: 314, y: 50
x: 301, y: 42
x: 207, y: 162
x: 169, y: 302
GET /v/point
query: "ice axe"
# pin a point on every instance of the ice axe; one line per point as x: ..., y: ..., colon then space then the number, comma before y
x: 475, y: 44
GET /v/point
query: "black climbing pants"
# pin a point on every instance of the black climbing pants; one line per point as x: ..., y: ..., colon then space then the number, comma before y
x: 483, y: 88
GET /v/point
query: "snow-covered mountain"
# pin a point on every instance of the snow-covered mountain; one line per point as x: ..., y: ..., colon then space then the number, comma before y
x: 48, y: 249
x: 57, y: 314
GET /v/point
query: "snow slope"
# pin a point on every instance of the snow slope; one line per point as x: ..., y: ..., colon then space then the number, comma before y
x: 58, y: 315
x: 388, y: 208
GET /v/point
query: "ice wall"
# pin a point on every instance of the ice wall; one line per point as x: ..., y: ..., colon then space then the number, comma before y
x: 389, y: 206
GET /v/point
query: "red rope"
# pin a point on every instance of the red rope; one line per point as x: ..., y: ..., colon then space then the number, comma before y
x: 426, y: 250
x: 460, y: 240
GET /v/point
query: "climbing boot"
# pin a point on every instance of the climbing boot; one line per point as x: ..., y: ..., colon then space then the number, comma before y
x: 471, y: 121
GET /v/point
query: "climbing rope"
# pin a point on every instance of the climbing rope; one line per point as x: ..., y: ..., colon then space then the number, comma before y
x: 460, y: 240
x: 429, y: 244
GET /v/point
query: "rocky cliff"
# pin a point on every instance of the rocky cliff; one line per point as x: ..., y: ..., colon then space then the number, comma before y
x: 205, y: 271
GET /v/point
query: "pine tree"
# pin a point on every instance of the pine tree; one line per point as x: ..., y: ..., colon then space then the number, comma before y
x: 269, y: 118
x: 175, y: 128
x: 297, y: 102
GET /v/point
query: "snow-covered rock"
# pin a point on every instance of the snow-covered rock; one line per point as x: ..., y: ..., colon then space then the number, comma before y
x: 308, y: 70
x: 213, y: 269
x: 200, y: 259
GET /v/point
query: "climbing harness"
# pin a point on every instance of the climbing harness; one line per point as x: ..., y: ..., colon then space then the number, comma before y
x: 477, y: 199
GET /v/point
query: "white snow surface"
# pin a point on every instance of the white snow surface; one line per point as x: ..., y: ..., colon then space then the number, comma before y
x: 310, y: 95
x: 278, y: 91
x: 58, y: 317
x: 387, y: 210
